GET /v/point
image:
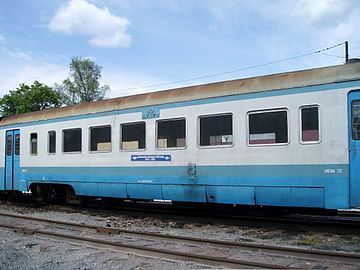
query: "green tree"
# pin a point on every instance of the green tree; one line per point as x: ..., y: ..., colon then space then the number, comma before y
x: 83, y: 85
x: 25, y: 98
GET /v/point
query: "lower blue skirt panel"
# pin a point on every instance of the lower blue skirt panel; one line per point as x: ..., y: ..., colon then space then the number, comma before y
x: 290, y: 196
x: 231, y: 195
x: 184, y: 193
x: 288, y: 185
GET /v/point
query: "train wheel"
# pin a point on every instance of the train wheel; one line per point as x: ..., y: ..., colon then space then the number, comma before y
x: 71, y: 198
x: 39, y: 193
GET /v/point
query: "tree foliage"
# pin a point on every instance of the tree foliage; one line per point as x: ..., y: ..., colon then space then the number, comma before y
x: 27, y: 98
x: 83, y: 85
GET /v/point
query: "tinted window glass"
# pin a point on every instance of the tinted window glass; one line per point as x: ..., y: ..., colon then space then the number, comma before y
x: 52, y: 142
x: 216, y: 130
x: 72, y: 140
x: 268, y: 128
x: 9, y: 142
x: 100, y: 138
x: 33, y: 143
x: 355, y: 119
x: 133, y: 136
x: 17, y: 144
x: 171, y: 133
x: 310, y: 124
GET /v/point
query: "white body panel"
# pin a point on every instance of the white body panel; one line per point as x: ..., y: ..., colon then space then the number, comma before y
x: 333, y: 148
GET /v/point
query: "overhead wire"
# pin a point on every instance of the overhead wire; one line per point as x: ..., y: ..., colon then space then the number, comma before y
x: 333, y: 55
x: 236, y: 70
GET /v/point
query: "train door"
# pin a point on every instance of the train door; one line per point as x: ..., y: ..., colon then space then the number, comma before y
x: 12, y: 159
x: 354, y: 147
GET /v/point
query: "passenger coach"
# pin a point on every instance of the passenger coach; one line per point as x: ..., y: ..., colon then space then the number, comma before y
x: 289, y: 139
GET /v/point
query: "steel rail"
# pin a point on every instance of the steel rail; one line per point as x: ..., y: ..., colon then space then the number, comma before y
x: 333, y: 224
x: 146, y: 251
x: 298, y: 220
x: 296, y: 252
x: 336, y: 223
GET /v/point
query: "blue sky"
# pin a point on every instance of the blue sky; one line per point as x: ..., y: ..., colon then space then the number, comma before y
x: 140, y: 43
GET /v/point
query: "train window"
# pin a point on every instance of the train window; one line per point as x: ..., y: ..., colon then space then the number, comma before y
x: 310, y: 131
x: 355, y: 119
x: 171, y: 133
x: 100, y: 139
x: 9, y: 145
x: 216, y: 130
x: 268, y: 127
x: 72, y: 140
x: 33, y: 143
x: 52, y: 142
x: 133, y: 136
x: 17, y: 144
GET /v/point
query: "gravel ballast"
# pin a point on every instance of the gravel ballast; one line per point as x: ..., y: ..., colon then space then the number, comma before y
x: 31, y: 252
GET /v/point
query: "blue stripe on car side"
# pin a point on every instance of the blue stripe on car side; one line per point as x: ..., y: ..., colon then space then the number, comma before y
x: 318, y: 170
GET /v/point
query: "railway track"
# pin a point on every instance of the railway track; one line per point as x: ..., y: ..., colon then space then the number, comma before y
x: 301, y: 222
x: 205, y: 251
x: 342, y: 223
x: 345, y: 222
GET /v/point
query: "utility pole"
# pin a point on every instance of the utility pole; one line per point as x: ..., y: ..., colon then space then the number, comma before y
x: 346, y: 52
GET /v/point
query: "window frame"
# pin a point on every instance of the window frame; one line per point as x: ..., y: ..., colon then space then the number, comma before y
x: 300, y: 124
x: 351, y: 119
x: 170, y: 148
x: 267, y: 111
x: 120, y: 137
x: 17, y: 149
x: 48, y: 142
x: 63, y: 141
x: 7, y: 145
x: 220, y: 145
x: 89, y: 140
x: 37, y: 144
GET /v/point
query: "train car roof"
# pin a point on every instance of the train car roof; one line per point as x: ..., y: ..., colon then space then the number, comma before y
x: 287, y: 80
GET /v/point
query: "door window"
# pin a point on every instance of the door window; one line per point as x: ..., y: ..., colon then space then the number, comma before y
x: 9, y: 142
x: 17, y: 144
x: 355, y: 119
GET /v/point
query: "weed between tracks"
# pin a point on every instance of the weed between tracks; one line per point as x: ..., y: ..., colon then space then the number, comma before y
x: 309, y: 240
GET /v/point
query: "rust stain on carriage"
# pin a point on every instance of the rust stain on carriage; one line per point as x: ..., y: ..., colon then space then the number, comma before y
x: 279, y: 81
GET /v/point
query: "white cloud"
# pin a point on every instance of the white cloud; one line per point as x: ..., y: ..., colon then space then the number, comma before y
x: 16, y: 54
x: 14, y: 75
x: 81, y: 17
x: 2, y: 39
x: 326, y: 13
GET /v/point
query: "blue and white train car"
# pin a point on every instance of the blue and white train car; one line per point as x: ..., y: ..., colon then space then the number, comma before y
x: 290, y: 140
